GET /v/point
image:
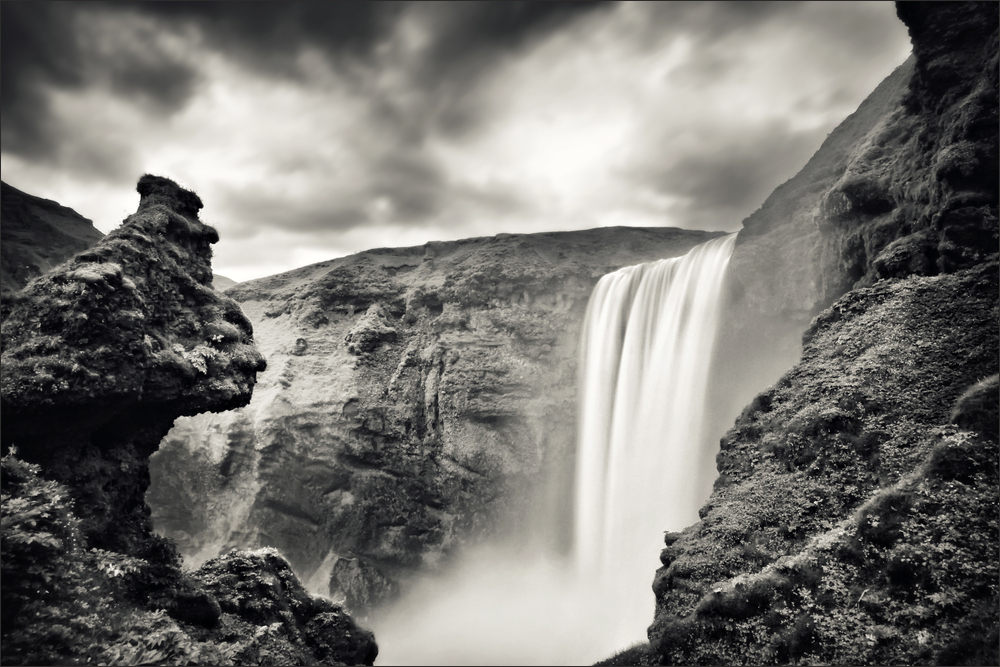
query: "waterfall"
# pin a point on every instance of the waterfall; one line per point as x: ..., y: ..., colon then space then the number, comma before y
x: 643, y: 466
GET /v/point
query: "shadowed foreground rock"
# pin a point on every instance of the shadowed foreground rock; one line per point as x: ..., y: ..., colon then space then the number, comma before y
x: 99, y: 357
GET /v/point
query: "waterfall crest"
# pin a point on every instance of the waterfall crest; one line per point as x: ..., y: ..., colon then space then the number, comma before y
x: 643, y: 465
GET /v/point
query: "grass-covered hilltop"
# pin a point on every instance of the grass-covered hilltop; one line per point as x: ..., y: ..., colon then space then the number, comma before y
x: 100, y: 356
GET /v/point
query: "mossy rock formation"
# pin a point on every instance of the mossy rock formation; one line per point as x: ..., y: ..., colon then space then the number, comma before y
x: 99, y: 357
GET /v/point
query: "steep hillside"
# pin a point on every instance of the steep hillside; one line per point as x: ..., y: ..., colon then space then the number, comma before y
x: 906, y: 185
x: 36, y: 235
x: 415, y: 399
x: 222, y: 283
x: 855, y: 519
x: 99, y: 357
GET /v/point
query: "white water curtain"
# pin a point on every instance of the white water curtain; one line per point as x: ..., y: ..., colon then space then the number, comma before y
x: 643, y: 466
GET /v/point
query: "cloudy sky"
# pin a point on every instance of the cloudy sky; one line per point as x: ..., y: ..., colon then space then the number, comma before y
x: 314, y: 130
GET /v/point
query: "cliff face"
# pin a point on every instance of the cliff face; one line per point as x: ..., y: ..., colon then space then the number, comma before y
x: 855, y: 517
x: 36, y: 235
x: 99, y: 357
x: 905, y: 186
x: 415, y: 399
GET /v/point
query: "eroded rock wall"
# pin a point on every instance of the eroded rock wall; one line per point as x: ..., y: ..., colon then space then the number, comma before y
x: 907, y: 185
x: 417, y: 399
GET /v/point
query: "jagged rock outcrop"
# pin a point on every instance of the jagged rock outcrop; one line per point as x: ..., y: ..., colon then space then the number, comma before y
x: 36, y: 235
x: 99, y: 357
x: 415, y: 399
x: 102, y: 355
x: 855, y: 518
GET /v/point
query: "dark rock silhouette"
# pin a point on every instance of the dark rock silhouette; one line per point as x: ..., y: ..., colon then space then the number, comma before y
x: 99, y: 357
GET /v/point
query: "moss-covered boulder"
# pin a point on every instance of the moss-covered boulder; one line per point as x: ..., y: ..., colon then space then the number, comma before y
x: 127, y: 336
x: 65, y: 603
x: 259, y: 591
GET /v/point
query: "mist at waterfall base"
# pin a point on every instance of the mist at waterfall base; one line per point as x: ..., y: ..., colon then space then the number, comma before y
x: 648, y: 435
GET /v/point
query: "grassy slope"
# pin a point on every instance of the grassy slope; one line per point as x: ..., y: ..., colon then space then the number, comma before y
x: 845, y: 479
x: 36, y: 235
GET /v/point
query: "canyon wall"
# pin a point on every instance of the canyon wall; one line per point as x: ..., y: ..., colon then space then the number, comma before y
x: 854, y: 520
x: 417, y: 399
x: 99, y: 357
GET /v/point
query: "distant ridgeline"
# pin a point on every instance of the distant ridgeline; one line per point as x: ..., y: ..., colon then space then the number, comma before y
x: 36, y: 235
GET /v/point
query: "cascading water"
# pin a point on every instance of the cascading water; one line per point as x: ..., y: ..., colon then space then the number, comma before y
x: 643, y: 465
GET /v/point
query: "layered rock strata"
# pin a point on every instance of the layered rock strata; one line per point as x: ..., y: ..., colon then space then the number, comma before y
x: 417, y: 399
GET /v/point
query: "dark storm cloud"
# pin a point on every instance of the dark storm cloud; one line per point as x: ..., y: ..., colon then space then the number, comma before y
x: 470, y: 35
x: 705, y: 22
x: 37, y: 49
x: 315, y: 129
x: 469, y: 39
x: 271, y: 35
x: 45, y: 48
